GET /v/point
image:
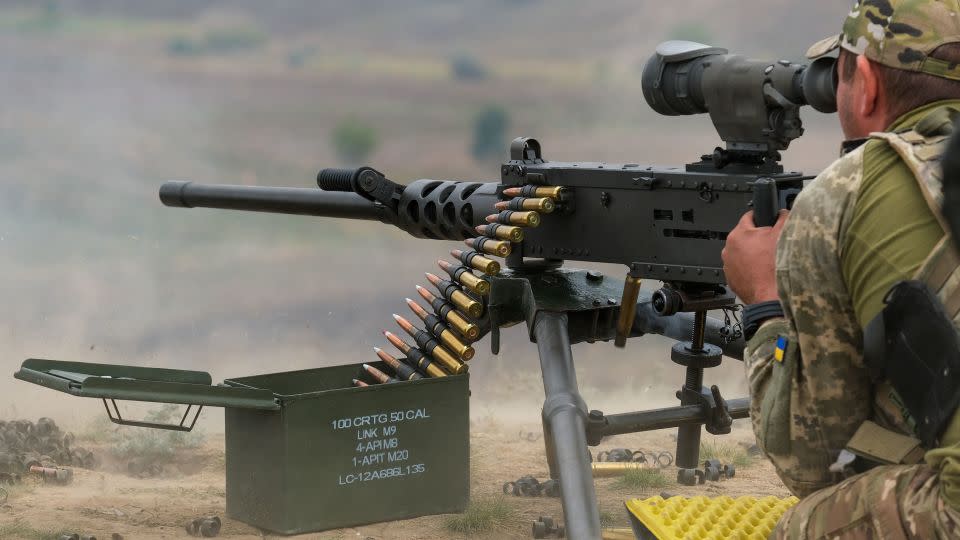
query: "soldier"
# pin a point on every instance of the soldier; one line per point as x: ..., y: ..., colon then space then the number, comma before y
x: 871, y: 219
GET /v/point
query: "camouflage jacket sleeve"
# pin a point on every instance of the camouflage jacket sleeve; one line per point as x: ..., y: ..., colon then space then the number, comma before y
x: 809, y: 398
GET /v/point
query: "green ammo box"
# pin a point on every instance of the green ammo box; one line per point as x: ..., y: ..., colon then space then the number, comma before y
x: 305, y: 450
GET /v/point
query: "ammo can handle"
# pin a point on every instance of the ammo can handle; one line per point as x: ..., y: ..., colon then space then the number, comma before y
x: 766, y: 202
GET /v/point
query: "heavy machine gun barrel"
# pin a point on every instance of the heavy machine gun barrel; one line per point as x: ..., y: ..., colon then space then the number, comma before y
x: 276, y: 200
x: 441, y: 210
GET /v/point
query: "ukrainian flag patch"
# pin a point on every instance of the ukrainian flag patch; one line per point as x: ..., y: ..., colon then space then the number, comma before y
x: 781, y: 348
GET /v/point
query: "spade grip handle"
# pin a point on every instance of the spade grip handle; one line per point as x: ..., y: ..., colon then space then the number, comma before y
x: 766, y: 202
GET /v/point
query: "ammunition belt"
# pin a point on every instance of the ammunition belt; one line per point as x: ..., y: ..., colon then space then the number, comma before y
x: 443, y: 343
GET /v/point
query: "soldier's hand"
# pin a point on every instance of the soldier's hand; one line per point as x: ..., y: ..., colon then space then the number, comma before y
x: 749, y: 259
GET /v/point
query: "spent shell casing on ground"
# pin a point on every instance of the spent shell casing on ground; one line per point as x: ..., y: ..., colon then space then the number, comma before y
x: 552, y: 192
x: 462, y: 275
x: 455, y: 296
x: 415, y: 356
x: 500, y: 248
x: 543, y: 205
x: 502, y: 232
x: 402, y: 370
x: 511, y: 217
x: 477, y: 261
x: 57, y: 475
x: 378, y: 375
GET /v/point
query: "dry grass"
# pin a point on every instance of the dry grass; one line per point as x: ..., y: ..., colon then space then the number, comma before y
x: 727, y: 453
x: 22, y: 531
x: 483, y: 515
x: 642, y: 478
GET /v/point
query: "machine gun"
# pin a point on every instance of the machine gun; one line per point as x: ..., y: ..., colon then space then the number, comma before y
x: 663, y: 223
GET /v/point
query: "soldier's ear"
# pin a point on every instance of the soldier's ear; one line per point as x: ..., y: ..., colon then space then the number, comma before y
x: 869, y: 93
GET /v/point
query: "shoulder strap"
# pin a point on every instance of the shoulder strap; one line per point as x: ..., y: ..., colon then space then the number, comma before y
x: 922, y: 156
x: 921, y: 149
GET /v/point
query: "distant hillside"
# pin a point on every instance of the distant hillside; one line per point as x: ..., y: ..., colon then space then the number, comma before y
x: 524, y: 27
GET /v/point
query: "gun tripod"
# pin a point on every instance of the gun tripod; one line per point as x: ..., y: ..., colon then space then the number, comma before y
x: 586, y: 311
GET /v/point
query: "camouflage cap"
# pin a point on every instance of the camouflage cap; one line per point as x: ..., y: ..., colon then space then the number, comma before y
x: 899, y: 33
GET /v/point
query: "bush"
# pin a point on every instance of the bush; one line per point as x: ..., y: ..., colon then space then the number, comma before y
x: 184, y: 46
x: 353, y: 140
x: 490, y: 133
x: 223, y: 40
x: 233, y: 39
x: 464, y: 67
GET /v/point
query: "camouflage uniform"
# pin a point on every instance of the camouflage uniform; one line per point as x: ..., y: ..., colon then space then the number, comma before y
x: 811, y: 395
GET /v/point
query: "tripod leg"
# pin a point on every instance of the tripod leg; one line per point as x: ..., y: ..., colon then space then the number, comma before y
x: 565, y: 414
x: 551, y: 451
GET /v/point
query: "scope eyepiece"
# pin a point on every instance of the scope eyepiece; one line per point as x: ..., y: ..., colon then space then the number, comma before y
x: 819, y: 84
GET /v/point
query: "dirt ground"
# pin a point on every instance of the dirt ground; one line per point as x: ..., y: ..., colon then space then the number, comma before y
x: 101, y: 502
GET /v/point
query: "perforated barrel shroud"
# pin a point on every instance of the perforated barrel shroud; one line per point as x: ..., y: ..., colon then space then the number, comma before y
x: 703, y: 518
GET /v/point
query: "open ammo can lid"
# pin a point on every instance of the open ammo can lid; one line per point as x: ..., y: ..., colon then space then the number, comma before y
x: 131, y: 383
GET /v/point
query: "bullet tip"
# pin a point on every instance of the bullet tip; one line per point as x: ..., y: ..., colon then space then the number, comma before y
x: 377, y: 349
x: 365, y: 366
x: 397, y: 317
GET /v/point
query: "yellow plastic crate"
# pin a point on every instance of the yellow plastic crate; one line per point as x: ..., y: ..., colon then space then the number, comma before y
x: 703, y: 518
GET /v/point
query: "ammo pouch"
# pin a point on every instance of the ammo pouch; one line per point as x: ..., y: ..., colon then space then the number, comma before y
x: 913, y: 344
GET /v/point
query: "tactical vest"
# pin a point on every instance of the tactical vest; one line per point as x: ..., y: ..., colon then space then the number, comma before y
x: 914, y: 343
